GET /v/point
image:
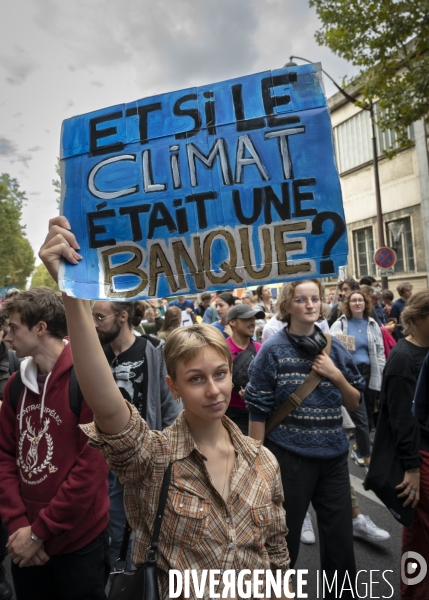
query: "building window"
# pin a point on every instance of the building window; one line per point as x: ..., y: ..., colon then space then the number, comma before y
x: 353, y: 140
x: 363, y: 242
x: 404, y: 246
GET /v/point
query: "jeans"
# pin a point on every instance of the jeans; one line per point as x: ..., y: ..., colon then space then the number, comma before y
x: 360, y: 420
x: 370, y: 396
x: 80, y: 575
x: 117, y: 521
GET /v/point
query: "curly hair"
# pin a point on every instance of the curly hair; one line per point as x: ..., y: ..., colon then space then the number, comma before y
x: 368, y: 305
x: 286, y: 295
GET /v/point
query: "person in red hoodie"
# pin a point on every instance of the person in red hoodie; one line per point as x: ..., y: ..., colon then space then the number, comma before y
x: 53, y: 486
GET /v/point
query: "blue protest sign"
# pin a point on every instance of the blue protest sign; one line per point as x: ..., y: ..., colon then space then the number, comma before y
x: 220, y: 186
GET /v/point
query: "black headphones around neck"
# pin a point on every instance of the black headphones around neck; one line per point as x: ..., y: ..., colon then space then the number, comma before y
x: 313, y: 344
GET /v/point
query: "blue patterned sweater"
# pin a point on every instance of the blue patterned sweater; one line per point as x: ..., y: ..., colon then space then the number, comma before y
x: 315, y: 428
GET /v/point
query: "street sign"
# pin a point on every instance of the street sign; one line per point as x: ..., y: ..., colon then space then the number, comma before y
x: 386, y: 272
x: 385, y: 257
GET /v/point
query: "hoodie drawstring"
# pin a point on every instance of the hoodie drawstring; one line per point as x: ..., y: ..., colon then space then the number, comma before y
x: 22, y: 408
x: 42, y: 404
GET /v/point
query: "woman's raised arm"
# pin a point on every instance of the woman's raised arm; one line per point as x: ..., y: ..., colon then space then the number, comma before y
x: 92, y: 369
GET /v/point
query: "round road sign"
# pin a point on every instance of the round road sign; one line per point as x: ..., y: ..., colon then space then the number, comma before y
x: 385, y: 257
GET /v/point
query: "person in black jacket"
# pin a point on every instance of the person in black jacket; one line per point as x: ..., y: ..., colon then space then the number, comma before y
x: 404, y: 290
x: 345, y: 287
x: 412, y: 441
x: 137, y: 364
x: 206, y: 299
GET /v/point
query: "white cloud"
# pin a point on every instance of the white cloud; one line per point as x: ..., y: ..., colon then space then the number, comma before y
x: 58, y: 59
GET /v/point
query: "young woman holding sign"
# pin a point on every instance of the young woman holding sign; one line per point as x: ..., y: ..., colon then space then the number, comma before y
x: 224, y: 508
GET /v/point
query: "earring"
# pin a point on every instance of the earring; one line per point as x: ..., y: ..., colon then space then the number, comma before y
x: 178, y: 399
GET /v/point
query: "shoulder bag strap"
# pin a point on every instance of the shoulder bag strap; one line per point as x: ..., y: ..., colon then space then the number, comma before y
x: 161, y: 507
x: 158, y: 520
x: 297, y: 398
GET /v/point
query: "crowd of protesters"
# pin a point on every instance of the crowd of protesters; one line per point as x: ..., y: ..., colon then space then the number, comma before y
x: 157, y: 378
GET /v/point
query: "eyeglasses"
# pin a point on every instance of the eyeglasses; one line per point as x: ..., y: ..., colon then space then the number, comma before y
x: 100, y: 319
x: 357, y: 301
x: 305, y: 300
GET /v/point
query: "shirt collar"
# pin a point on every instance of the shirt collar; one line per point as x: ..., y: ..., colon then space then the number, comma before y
x: 183, y: 444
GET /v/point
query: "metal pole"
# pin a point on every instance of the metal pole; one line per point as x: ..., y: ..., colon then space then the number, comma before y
x: 380, y: 228
x: 370, y: 108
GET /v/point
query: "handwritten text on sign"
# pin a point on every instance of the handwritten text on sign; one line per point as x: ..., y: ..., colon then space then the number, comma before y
x: 225, y: 185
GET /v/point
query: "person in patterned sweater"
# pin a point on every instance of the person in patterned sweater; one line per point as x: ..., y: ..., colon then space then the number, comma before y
x: 310, y: 443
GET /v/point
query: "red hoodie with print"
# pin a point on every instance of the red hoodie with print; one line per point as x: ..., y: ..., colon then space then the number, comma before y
x: 49, y: 477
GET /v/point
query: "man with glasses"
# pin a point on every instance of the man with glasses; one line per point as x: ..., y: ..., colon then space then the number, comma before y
x: 138, y: 367
x: 346, y: 287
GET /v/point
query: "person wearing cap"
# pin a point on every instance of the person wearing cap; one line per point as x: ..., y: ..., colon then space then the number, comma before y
x: 242, y: 321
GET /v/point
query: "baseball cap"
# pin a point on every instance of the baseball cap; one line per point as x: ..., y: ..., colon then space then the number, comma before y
x: 244, y: 311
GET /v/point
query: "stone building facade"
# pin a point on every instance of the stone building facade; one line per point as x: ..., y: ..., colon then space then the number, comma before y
x: 404, y: 183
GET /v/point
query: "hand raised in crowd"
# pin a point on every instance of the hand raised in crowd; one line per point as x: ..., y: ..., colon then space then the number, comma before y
x: 24, y: 551
x: 411, y: 488
x: 60, y: 242
x: 228, y: 330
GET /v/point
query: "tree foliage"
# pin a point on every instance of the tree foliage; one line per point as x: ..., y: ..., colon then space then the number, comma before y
x: 41, y: 277
x: 16, y: 254
x: 57, y: 182
x: 389, y: 41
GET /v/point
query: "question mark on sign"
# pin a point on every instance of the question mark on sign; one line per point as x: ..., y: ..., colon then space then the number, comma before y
x: 327, y: 266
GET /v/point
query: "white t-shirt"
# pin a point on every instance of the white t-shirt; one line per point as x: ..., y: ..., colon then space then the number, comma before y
x: 274, y: 325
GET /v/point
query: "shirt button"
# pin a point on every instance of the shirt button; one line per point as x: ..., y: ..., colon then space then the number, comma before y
x: 181, y: 505
x: 201, y: 510
x: 261, y: 517
x: 230, y: 545
x: 228, y: 520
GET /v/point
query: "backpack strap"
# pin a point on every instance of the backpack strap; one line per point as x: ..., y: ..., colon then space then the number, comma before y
x: 15, y: 390
x: 299, y: 395
x: 14, y: 362
x: 76, y: 396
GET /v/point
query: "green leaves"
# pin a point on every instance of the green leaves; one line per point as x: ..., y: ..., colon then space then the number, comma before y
x: 16, y: 254
x: 389, y: 40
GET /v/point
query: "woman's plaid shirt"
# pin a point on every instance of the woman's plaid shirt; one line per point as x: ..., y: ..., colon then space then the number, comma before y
x: 199, y: 530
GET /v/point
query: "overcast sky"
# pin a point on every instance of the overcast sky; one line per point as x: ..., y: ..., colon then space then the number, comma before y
x: 62, y: 58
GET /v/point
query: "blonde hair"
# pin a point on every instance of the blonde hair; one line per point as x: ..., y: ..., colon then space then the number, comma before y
x: 416, y: 309
x: 185, y: 343
x: 286, y: 296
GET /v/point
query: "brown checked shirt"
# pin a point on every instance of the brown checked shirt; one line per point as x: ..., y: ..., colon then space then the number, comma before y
x: 199, y: 529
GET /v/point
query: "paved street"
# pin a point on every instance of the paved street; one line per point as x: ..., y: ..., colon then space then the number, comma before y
x: 376, y: 557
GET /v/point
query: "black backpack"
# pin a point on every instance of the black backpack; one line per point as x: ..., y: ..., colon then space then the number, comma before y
x: 8, y: 365
x: 240, y: 367
x: 75, y: 393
